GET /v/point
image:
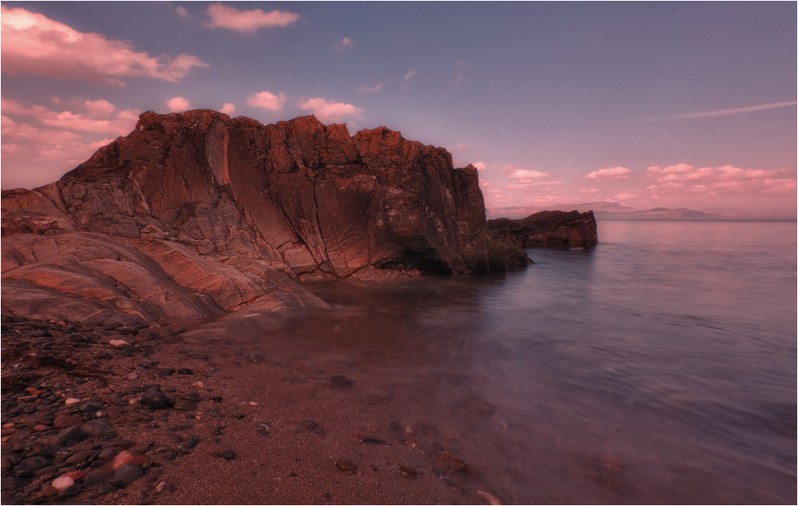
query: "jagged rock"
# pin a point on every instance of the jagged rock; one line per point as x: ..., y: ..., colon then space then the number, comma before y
x: 555, y: 229
x: 195, y: 214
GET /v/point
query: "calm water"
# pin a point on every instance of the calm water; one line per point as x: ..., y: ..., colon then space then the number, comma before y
x: 658, y: 368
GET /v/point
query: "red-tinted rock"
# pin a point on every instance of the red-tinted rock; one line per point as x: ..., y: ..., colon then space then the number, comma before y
x: 195, y: 214
x: 554, y: 229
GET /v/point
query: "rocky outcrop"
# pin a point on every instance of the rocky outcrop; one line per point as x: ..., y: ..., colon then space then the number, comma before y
x: 554, y: 229
x: 192, y: 215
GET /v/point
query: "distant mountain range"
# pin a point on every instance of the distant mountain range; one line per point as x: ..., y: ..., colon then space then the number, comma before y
x: 615, y: 211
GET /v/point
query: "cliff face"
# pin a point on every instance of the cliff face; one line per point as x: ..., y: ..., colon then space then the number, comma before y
x: 554, y: 229
x: 194, y: 214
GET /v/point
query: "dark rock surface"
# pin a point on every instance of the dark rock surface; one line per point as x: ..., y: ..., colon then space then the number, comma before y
x: 554, y: 229
x: 196, y: 214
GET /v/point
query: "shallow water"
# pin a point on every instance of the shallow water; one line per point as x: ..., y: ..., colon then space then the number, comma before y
x: 658, y: 368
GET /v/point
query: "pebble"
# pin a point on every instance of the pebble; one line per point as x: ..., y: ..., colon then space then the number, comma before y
x: 64, y: 421
x: 71, y: 401
x: 98, y: 476
x: 127, y: 474
x: 63, y: 482
x: 407, y: 470
x: 228, y: 454
x: 193, y: 396
x: 165, y: 486
x: 118, y: 342
x: 346, y: 465
x: 341, y: 382
x: 155, y: 398
x: 79, y: 457
x: 75, y: 433
x: 32, y: 464
x: 133, y: 376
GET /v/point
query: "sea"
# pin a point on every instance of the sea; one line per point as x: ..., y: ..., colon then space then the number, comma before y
x: 657, y: 368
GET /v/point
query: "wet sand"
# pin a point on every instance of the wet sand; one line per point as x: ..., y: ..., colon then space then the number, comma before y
x: 299, y: 434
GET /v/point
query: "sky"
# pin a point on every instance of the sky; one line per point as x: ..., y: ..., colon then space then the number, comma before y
x: 647, y: 104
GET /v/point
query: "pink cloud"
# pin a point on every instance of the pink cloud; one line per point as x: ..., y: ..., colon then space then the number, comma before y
x: 181, y: 11
x: 344, y: 44
x: 99, y: 107
x: 228, y: 108
x: 178, y: 104
x: 328, y: 110
x: 40, y: 144
x: 610, y: 173
x: 367, y: 90
x: 91, y: 120
x: 733, y: 110
x: 248, y: 21
x: 480, y: 165
x: 36, y: 44
x: 267, y: 100
x: 527, y: 174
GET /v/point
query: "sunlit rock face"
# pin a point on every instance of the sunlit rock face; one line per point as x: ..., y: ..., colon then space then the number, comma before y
x: 554, y: 229
x: 192, y: 215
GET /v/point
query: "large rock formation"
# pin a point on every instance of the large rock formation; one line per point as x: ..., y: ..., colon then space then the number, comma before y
x: 554, y: 229
x: 195, y: 214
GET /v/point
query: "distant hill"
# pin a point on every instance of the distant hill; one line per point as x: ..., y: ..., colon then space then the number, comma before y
x: 616, y: 211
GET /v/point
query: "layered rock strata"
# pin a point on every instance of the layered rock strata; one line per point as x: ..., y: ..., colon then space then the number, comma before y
x: 554, y: 229
x: 196, y: 214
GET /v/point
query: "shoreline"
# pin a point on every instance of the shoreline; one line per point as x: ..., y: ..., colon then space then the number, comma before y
x: 316, y: 436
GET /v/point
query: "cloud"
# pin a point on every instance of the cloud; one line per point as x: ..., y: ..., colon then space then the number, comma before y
x: 410, y: 75
x: 734, y: 110
x: 527, y: 174
x: 344, y: 44
x: 181, y: 11
x: 725, y: 186
x: 670, y: 169
x: 480, y: 165
x: 99, y: 107
x: 327, y: 110
x: 267, y: 100
x: 717, y: 112
x: 95, y: 117
x: 36, y: 44
x: 178, y: 104
x: 366, y: 90
x: 228, y: 108
x: 40, y: 144
x: 249, y: 21
x: 609, y: 173
x: 624, y: 196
